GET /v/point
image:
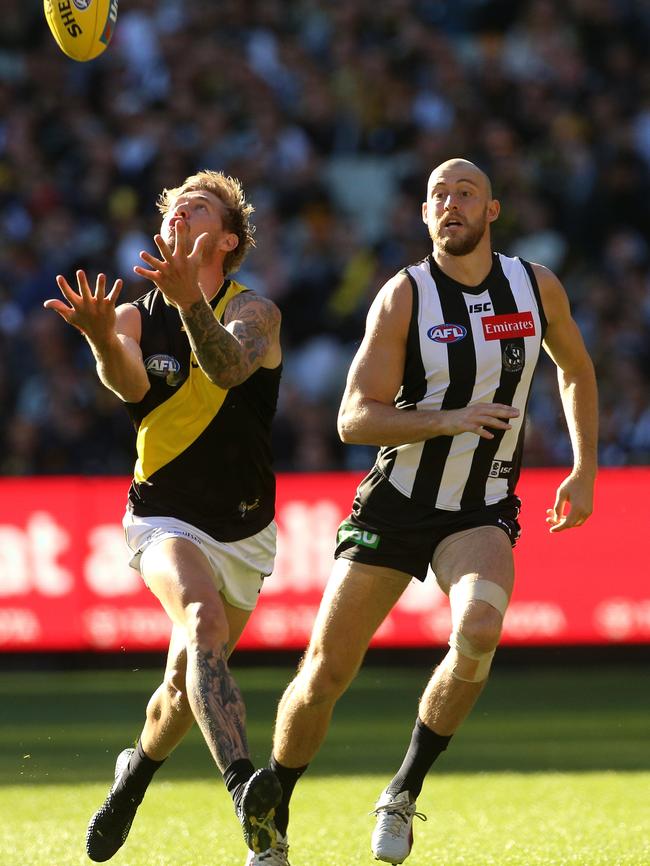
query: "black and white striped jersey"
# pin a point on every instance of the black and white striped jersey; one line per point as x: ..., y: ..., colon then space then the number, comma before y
x: 467, y: 344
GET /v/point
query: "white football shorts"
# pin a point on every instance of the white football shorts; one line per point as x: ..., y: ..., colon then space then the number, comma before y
x: 238, y: 567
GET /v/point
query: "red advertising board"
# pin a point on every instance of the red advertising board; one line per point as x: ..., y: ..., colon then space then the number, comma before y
x: 65, y: 582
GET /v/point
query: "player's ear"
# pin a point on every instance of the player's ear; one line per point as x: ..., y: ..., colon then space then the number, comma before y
x: 494, y: 209
x: 425, y: 211
x: 229, y: 242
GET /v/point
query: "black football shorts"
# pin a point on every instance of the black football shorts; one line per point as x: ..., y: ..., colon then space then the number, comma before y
x: 388, y: 529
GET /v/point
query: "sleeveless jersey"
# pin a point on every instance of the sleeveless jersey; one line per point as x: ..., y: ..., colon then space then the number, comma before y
x: 467, y: 344
x: 203, y: 452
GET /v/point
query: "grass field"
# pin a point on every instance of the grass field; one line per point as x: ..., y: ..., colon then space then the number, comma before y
x: 552, y: 769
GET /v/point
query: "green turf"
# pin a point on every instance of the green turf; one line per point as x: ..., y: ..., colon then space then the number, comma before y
x: 551, y: 769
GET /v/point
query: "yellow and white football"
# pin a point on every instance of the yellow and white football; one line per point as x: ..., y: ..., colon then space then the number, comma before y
x: 82, y: 28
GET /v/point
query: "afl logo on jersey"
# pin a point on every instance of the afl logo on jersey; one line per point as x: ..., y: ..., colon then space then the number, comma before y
x: 164, y: 366
x: 447, y: 333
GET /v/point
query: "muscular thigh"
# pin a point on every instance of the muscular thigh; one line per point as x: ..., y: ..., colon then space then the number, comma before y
x: 237, y: 618
x: 179, y: 575
x: 356, y: 601
x: 481, y: 553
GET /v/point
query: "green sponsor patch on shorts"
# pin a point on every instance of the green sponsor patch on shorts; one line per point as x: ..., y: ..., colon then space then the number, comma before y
x: 348, y: 532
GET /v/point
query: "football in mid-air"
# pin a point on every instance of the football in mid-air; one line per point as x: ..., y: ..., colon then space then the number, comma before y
x: 82, y: 28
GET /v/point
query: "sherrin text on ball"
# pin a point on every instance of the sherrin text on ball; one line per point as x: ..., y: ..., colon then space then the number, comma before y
x: 83, y: 29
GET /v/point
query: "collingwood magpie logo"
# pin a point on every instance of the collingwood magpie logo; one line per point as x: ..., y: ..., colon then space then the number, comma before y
x: 165, y: 367
x: 513, y: 357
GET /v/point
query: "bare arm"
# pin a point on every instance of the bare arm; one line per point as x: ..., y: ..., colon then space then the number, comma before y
x: 113, y: 333
x: 579, y: 394
x: 367, y: 414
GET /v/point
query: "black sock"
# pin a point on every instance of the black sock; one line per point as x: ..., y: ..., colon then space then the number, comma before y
x: 139, y: 773
x: 288, y: 776
x: 423, y: 750
x: 235, y: 776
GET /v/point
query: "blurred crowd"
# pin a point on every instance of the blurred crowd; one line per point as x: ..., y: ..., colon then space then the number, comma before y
x: 332, y: 115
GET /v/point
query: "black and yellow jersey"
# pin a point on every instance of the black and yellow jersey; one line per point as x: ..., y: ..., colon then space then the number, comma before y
x: 203, y: 452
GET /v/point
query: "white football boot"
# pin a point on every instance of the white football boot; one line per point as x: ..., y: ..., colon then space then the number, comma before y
x: 392, y: 838
x: 278, y: 856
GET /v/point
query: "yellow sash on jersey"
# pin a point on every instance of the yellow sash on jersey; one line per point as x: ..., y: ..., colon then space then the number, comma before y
x: 174, y: 425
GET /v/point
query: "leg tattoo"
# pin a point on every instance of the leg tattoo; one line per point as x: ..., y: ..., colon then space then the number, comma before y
x: 219, y: 707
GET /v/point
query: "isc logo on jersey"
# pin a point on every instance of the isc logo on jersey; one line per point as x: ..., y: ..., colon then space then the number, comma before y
x: 446, y: 333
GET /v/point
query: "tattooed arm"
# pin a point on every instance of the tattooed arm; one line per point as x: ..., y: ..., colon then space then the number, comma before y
x: 229, y: 354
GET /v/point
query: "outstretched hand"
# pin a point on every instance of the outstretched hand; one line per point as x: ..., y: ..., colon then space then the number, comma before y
x: 92, y: 314
x: 577, y: 493
x: 176, y: 273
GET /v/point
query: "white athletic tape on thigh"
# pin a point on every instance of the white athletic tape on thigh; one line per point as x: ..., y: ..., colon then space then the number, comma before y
x: 479, y: 589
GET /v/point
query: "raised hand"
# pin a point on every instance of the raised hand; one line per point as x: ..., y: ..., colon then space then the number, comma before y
x: 176, y: 273
x: 92, y: 314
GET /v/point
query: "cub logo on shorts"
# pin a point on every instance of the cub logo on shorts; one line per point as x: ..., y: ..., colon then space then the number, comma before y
x: 447, y: 333
x: 348, y: 532
x: 166, y: 367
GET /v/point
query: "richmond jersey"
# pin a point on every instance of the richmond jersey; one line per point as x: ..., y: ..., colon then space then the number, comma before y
x: 467, y: 345
x: 203, y: 452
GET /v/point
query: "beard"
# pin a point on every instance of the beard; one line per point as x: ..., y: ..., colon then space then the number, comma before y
x: 465, y: 244
x: 209, y: 249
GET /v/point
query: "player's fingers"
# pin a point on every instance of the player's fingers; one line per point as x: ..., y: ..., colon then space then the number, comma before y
x: 163, y: 247
x: 84, y: 287
x: 576, y: 516
x: 505, y: 411
x: 100, y: 287
x: 557, y: 512
x: 150, y: 260
x: 115, y: 291
x: 58, y: 307
x: 180, y: 238
x: 569, y: 521
x: 66, y: 289
x: 67, y: 314
x: 152, y: 275
x: 501, y: 410
x: 199, y: 243
x: 491, y: 421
